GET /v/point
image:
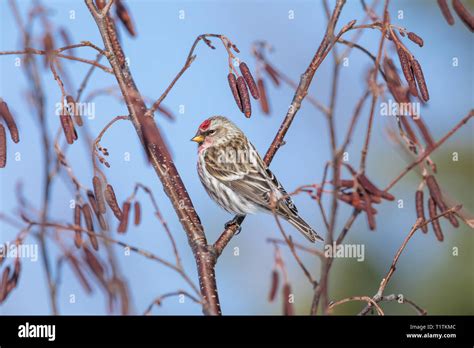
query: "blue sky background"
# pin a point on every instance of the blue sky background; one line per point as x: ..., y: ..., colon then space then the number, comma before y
x: 156, y: 55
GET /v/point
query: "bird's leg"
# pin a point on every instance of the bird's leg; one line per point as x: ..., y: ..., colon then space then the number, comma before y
x: 235, y: 221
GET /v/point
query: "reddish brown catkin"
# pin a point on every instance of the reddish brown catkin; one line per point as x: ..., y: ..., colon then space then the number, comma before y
x: 435, y: 191
x: 235, y: 91
x: 112, y: 202
x: 244, y: 96
x: 10, y: 121
x: 93, y: 202
x: 94, y: 263
x: 68, y: 128
x: 263, y: 97
x: 272, y: 73
x: 138, y: 213
x: 464, y: 14
x: 435, y: 223
x: 124, y: 16
x: 247, y: 75
x: 420, y: 80
x: 122, y: 227
x: 3, y: 147
x: 77, y: 222
x: 86, y: 211
x: 407, y: 72
x: 99, y: 193
x: 288, y: 308
x: 416, y: 39
x: 274, y: 285
x: 4, y: 283
x: 371, y: 188
x: 420, y: 212
x: 443, y: 5
x: 79, y: 273
x: 74, y: 109
x: 369, y: 212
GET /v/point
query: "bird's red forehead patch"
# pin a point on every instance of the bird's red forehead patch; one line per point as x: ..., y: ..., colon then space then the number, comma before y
x: 205, y: 125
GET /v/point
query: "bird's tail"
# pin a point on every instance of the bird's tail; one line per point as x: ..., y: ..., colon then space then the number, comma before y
x: 304, y: 228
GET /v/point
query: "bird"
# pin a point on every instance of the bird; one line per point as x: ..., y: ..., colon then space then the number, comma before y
x: 236, y: 178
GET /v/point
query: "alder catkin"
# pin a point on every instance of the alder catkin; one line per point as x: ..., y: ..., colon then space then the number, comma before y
x: 77, y: 222
x: 138, y: 213
x: 235, y: 92
x: 420, y: 80
x: 68, y: 128
x: 274, y: 285
x: 3, y: 147
x: 249, y: 80
x: 10, y: 121
x: 420, y: 212
x: 73, y: 107
x: 407, y: 71
x: 244, y: 96
x: 435, y: 223
x: 99, y: 193
x: 263, y: 97
x: 464, y: 14
x: 416, y: 39
x: 122, y: 227
x: 443, y: 5
x: 86, y: 211
x: 272, y: 73
x: 111, y: 200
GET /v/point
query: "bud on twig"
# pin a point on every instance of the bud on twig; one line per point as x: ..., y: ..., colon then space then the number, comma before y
x: 68, y: 128
x: 124, y: 15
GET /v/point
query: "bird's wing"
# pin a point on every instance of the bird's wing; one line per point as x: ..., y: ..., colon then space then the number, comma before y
x: 247, y: 174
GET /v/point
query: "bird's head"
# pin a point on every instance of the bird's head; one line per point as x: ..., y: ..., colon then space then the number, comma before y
x: 214, y: 130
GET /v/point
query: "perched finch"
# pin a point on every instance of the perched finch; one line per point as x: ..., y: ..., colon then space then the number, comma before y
x: 235, y: 176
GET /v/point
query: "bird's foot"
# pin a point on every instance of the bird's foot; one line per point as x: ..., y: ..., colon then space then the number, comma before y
x: 235, y: 221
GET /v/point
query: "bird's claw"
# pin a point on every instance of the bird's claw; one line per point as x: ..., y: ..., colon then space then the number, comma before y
x: 234, y: 221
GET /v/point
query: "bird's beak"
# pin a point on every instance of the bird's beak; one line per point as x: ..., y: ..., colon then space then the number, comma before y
x: 198, y: 138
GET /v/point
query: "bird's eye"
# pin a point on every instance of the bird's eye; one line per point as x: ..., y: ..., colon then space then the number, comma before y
x: 212, y: 131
